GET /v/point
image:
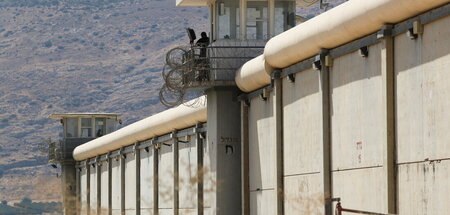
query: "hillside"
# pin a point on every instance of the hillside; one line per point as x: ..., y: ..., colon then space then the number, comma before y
x: 60, y: 56
x: 77, y: 56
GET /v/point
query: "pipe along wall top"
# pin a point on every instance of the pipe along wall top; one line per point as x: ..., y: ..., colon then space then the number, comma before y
x: 349, y: 21
x: 162, y: 123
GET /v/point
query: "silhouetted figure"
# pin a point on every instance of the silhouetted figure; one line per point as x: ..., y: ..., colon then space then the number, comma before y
x: 202, y: 63
x: 203, y: 42
x: 99, y: 133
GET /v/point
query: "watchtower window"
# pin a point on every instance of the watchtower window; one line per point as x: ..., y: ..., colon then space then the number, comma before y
x: 228, y: 19
x: 257, y: 20
x: 284, y: 15
x: 86, y: 127
x: 72, y: 127
x: 100, y: 127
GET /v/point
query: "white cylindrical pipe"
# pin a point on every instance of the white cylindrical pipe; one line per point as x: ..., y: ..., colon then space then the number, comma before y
x: 253, y: 74
x: 165, y: 122
x: 342, y: 24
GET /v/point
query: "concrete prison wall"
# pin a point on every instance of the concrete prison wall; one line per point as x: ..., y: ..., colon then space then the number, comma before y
x: 366, y: 122
x: 160, y: 175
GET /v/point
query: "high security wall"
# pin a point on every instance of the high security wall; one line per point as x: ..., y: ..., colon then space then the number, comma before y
x: 366, y: 122
x: 164, y: 175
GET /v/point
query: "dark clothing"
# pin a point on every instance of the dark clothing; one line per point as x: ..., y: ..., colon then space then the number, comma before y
x: 202, y: 62
x: 202, y: 42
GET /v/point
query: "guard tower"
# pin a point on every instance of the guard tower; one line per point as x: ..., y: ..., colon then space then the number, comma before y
x: 239, y: 30
x: 78, y: 128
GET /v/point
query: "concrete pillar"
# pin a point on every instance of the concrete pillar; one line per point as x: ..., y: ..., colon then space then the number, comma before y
x: 324, y: 64
x: 99, y: 185
x: 176, y: 175
x: 200, y: 170
x: 69, y: 176
x: 245, y: 159
x: 137, y: 154
x: 388, y: 81
x: 278, y: 113
x: 109, y: 159
x: 88, y: 187
x: 224, y: 140
x: 155, y: 178
x: 122, y: 158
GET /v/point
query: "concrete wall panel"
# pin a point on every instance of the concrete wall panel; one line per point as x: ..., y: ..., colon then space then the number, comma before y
x: 104, y: 187
x: 130, y: 182
x: 116, y: 183
x: 423, y: 93
x: 303, y: 194
x: 165, y: 178
x: 262, y: 202
x: 357, y: 110
x: 146, y: 181
x: 361, y: 189
x: 93, y: 188
x: 83, y: 190
x: 302, y: 123
x: 146, y: 211
x: 262, y: 143
x: 424, y: 188
x: 209, y: 181
x: 188, y: 211
x: 188, y: 174
x: 164, y: 211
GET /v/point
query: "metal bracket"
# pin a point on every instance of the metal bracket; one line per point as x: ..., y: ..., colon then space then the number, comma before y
x: 317, y: 64
x: 173, y: 135
x: 364, y: 51
x: 97, y: 161
x: 136, y: 148
x: 122, y: 154
x: 291, y: 77
x: 265, y: 94
x: 385, y: 31
x: 276, y: 74
x: 415, y: 30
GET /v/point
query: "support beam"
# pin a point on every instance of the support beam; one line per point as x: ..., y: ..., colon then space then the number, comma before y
x: 326, y: 130
x: 200, y: 170
x: 122, y: 158
x: 155, y: 178
x: 99, y: 185
x: 278, y: 113
x: 88, y: 187
x: 176, y: 174
x: 78, y: 191
x: 388, y: 81
x: 108, y: 157
x: 137, y: 154
x: 245, y: 159
x: 224, y: 132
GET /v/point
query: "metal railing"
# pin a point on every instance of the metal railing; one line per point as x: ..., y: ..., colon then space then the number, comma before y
x: 339, y: 209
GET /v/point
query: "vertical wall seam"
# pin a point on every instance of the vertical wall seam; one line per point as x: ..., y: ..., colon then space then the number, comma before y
x: 155, y: 179
x: 388, y: 73
x: 176, y: 178
x: 122, y: 181
x: 137, y: 157
x: 88, y: 188
x: 324, y: 72
x: 78, y: 189
x: 200, y: 172
x: 278, y: 107
x: 99, y: 186
x: 245, y: 160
